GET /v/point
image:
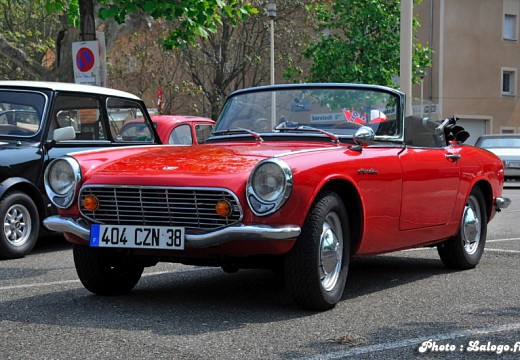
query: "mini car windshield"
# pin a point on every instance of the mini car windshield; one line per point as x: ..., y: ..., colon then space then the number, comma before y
x: 20, y: 113
x: 326, y: 111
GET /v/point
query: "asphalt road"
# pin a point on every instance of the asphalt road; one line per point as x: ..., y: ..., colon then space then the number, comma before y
x: 394, y: 306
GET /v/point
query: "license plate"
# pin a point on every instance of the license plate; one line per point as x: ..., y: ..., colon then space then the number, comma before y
x: 137, y: 237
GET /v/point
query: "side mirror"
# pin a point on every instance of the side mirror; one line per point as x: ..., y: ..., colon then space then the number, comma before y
x: 364, y: 136
x: 64, y: 133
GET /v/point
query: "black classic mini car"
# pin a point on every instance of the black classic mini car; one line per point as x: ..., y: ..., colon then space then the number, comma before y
x: 40, y: 121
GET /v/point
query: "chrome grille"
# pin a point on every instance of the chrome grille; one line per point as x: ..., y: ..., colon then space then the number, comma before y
x: 192, y: 208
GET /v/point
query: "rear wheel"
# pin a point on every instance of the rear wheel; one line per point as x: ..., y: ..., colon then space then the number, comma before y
x: 465, y: 250
x: 20, y: 225
x: 104, y: 272
x: 316, y: 267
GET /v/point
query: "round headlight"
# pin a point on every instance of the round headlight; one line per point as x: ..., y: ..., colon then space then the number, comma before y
x: 268, y: 181
x: 269, y: 186
x: 61, y: 178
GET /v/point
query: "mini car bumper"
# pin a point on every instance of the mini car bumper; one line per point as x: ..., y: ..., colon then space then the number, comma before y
x: 81, y: 229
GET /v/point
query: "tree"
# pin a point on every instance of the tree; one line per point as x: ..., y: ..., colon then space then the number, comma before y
x: 359, y: 43
x: 197, y: 79
x: 235, y: 57
x: 27, y: 32
x: 193, y: 18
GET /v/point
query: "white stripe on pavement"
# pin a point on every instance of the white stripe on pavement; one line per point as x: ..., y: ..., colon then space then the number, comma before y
x: 415, y: 342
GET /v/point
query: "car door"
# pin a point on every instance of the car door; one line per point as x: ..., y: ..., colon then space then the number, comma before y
x: 430, y: 180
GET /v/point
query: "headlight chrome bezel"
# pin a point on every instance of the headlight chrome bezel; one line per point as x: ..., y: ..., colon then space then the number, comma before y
x: 262, y: 206
x: 63, y: 199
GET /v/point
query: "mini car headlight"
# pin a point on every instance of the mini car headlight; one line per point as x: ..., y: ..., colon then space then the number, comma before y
x: 61, y: 178
x: 269, y: 186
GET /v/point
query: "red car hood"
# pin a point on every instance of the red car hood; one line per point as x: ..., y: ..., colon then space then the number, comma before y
x: 203, y: 165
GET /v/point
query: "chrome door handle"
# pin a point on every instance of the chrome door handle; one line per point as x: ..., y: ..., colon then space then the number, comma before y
x: 454, y: 157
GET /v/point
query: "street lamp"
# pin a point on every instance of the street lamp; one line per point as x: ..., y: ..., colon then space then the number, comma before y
x: 271, y: 12
x: 421, y: 76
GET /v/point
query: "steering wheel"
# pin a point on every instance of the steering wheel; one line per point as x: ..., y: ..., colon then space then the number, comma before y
x: 261, y: 125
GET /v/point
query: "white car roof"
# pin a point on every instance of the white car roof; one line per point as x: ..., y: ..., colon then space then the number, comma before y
x: 61, y: 86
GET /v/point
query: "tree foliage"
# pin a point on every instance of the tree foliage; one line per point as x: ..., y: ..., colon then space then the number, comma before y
x: 27, y: 33
x: 197, y: 79
x: 192, y: 18
x: 235, y: 57
x: 359, y: 43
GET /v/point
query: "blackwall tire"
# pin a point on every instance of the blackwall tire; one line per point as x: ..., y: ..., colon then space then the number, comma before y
x: 316, y: 267
x: 20, y: 225
x: 103, y: 272
x: 464, y: 250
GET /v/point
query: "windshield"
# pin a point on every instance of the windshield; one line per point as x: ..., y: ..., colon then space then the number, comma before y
x: 20, y: 112
x: 335, y: 110
x: 499, y: 143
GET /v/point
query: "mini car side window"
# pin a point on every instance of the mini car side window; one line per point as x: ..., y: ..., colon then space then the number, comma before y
x: 127, y: 122
x: 181, y: 135
x: 82, y: 113
x: 202, y: 132
x: 20, y: 113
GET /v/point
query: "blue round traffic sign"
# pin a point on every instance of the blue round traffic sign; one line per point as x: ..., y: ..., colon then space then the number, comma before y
x: 85, y: 59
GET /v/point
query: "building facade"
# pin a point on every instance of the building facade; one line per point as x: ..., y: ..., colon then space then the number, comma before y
x: 475, y: 64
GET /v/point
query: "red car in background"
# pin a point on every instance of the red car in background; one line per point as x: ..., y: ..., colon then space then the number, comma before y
x: 172, y: 129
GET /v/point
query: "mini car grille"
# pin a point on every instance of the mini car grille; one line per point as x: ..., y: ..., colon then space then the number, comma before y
x: 192, y: 208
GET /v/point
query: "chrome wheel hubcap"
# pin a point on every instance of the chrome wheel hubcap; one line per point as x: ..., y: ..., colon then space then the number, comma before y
x: 331, y: 251
x: 17, y: 225
x: 471, y: 226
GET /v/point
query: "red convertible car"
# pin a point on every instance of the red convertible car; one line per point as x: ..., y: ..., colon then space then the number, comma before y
x: 294, y: 177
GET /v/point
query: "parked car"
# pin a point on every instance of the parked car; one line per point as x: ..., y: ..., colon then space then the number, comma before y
x: 507, y: 148
x: 173, y: 129
x: 293, y: 177
x: 41, y: 121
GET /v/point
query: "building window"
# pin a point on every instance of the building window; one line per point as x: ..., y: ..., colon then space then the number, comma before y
x: 510, y: 26
x: 507, y: 130
x: 508, y: 82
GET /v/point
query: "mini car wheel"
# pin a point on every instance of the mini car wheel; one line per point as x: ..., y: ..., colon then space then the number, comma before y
x: 103, y: 272
x: 464, y: 250
x: 21, y: 225
x: 316, y: 268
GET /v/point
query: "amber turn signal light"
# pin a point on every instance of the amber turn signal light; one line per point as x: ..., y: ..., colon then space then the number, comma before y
x: 90, y: 203
x: 223, y: 208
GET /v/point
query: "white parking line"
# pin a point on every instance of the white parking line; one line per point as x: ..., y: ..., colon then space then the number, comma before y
x: 415, y: 342
x: 504, y: 251
x: 487, y: 249
x: 64, y: 282
x: 10, y: 287
x: 500, y: 240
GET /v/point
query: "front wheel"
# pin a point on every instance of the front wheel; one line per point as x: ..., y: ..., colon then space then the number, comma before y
x: 104, y: 272
x: 20, y: 226
x: 464, y: 250
x: 316, y: 267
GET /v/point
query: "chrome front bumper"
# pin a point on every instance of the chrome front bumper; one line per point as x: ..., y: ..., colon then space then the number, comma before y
x: 81, y: 229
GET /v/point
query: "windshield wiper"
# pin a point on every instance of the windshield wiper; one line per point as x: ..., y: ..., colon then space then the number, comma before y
x: 239, y: 131
x: 305, y: 128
